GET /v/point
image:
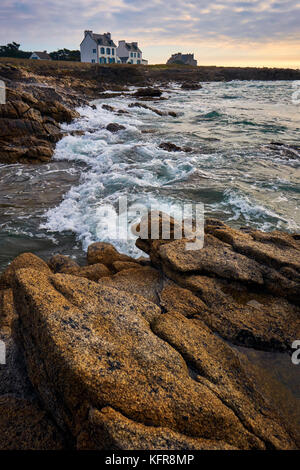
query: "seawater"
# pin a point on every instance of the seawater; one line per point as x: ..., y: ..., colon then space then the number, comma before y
x: 232, y: 168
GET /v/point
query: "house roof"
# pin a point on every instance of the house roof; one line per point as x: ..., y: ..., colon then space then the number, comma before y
x: 42, y: 55
x: 103, y: 40
x: 132, y: 47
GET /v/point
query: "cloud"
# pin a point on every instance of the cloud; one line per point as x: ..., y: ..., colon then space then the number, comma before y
x: 170, y: 24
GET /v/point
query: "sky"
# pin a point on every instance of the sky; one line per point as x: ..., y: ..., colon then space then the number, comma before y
x: 226, y: 32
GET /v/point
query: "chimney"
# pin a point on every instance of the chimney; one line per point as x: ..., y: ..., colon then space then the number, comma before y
x: 45, y: 52
x: 87, y: 31
x: 121, y: 43
x: 108, y: 35
x: 135, y: 44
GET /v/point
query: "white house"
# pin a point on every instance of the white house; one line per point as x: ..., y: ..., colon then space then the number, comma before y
x: 40, y: 55
x: 98, y: 48
x: 101, y: 49
x: 129, y: 53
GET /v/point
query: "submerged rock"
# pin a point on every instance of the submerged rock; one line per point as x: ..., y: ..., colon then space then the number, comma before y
x: 169, y: 147
x: 148, y: 92
x: 191, y: 86
x: 114, y: 127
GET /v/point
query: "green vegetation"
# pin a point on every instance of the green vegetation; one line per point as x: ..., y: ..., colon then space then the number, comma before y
x: 13, y: 50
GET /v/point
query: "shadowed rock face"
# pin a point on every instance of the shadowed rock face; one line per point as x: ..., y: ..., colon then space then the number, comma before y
x: 136, y: 359
x: 29, y: 128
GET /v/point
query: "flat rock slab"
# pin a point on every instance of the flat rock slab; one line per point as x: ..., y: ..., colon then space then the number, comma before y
x: 89, y: 347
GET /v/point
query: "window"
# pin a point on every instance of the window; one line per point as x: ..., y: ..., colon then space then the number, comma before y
x: 108, y: 50
x: 131, y: 54
x: 135, y: 54
x: 93, y: 61
x: 138, y: 61
x: 113, y: 52
x: 94, y: 51
x: 139, y: 55
x: 112, y: 60
x: 102, y: 50
x: 102, y: 60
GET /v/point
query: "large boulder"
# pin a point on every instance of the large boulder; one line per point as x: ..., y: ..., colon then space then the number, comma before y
x: 247, y: 280
x: 111, y: 368
x: 25, y: 260
x: 105, y: 253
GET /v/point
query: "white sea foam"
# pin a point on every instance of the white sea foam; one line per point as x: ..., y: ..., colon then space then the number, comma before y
x: 131, y: 163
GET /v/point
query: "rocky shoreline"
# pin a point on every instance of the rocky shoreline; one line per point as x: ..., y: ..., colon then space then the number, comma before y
x: 125, y: 353
x: 141, y: 354
x: 40, y: 97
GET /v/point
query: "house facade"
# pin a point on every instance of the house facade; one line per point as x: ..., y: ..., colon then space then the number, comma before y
x: 184, y: 59
x: 129, y: 53
x: 98, y: 48
x: 101, y: 49
x: 40, y: 55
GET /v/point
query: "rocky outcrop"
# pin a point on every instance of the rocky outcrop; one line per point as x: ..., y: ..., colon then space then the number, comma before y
x: 245, y: 280
x: 124, y: 354
x: 29, y: 127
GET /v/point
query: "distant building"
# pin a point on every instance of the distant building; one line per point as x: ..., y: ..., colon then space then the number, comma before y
x: 129, y: 53
x: 40, y: 55
x: 183, y: 59
x: 98, y: 48
x: 101, y: 49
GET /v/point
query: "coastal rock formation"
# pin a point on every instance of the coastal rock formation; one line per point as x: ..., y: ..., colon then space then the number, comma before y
x: 122, y: 354
x: 246, y: 279
x: 29, y: 128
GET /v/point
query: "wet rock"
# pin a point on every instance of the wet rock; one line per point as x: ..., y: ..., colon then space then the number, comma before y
x: 89, y: 347
x: 114, y: 127
x: 62, y: 264
x: 169, y: 147
x: 105, y: 253
x: 191, y: 86
x: 148, y: 92
x: 144, y: 106
x: 154, y: 110
x: 107, y: 107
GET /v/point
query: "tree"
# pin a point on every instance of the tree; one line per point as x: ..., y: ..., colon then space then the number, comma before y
x: 12, y: 49
x: 65, y: 54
